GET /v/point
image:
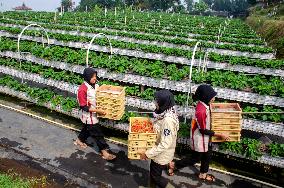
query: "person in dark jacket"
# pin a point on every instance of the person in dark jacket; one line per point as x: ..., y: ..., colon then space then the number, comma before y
x: 200, y: 135
x: 86, y: 97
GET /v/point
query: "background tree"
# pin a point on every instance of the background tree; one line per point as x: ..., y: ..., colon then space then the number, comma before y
x: 66, y: 4
x: 90, y: 4
x: 143, y: 4
x: 231, y: 6
x: 200, y: 6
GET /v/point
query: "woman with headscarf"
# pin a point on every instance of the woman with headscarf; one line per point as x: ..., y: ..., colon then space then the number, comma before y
x: 200, y: 135
x: 87, y: 100
x: 167, y: 125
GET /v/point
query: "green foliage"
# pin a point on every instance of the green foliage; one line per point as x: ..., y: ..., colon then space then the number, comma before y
x: 200, y: 6
x: 14, y: 180
x: 276, y: 150
x: 127, y: 115
x: 277, y: 117
x: 42, y: 96
x: 128, y: 4
x: 134, y: 90
x: 249, y: 148
x: 66, y: 4
x: 156, y: 69
x: 184, y: 130
x: 88, y: 5
x: 209, y: 32
x: 235, y: 6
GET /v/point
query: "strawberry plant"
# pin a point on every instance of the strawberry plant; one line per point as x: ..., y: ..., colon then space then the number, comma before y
x: 183, y: 130
x: 249, y: 148
x: 68, y: 104
x: 276, y: 150
x: 148, y: 94
x: 133, y: 90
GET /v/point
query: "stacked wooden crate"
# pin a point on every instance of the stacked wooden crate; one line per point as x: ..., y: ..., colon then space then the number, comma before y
x: 226, y: 118
x: 111, y: 99
x: 141, y: 136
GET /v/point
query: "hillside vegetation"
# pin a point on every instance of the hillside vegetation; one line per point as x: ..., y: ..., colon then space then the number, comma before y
x: 269, y: 23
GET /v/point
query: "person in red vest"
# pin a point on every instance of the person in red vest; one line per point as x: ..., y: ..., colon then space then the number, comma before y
x: 200, y: 135
x: 86, y: 97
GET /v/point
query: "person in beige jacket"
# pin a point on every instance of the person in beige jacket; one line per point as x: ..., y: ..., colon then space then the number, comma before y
x: 167, y: 124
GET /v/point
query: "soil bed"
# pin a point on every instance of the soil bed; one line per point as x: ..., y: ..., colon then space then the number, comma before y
x: 30, y: 170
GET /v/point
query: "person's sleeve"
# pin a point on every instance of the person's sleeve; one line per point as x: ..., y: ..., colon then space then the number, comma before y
x: 82, y: 99
x: 201, y: 119
x: 167, y: 138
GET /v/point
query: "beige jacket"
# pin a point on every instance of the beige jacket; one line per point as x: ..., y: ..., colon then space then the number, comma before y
x: 164, y: 149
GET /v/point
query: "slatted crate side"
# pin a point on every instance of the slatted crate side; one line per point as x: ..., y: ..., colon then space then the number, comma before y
x: 111, y: 99
x: 233, y: 121
x: 226, y: 118
x: 113, y: 116
x: 133, y: 155
x: 108, y: 98
x: 133, y: 152
x: 226, y: 128
x: 110, y: 103
x: 137, y: 149
x: 225, y: 110
x: 222, y: 106
x: 141, y: 143
x: 107, y: 94
x: 118, y: 116
x: 114, y: 110
x: 235, y: 136
x: 225, y: 124
x: 142, y: 136
x: 110, y: 89
x: 225, y: 115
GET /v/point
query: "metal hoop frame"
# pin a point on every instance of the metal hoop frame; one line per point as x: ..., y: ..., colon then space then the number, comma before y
x: 90, y: 45
x: 20, y: 36
x: 190, y: 75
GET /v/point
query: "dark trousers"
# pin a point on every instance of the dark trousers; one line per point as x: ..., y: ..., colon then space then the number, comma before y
x: 95, y: 132
x: 156, y: 175
x: 203, y: 157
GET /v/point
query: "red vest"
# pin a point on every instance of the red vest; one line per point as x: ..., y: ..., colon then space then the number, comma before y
x: 86, y: 96
x: 200, y: 142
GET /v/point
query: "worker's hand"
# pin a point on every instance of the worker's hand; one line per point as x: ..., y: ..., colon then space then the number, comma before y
x: 98, y: 111
x: 101, y: 112
x: 225, y: 136
x: 143, y: 156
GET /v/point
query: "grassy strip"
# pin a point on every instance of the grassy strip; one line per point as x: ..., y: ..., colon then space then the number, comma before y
x: 14, y: 180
